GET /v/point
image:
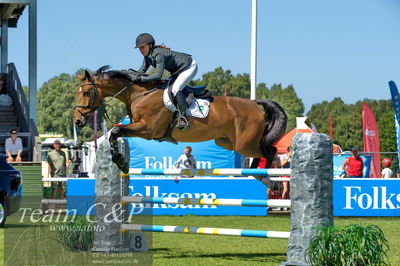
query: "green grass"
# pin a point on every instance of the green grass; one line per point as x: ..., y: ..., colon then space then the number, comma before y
x: 179, y: 249
x: 32, y: 177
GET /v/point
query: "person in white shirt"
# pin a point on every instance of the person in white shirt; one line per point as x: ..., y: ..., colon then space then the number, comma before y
x: 187, y: 160
x: 13, y: 147
x: 387, y: 172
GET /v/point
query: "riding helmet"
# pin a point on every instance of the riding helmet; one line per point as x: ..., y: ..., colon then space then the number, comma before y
x: 143, y: 39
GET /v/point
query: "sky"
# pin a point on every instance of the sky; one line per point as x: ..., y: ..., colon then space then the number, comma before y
x: 325, y: 49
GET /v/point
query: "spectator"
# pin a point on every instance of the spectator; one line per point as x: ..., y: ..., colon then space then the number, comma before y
x: 57, y: 168
x: 272, y: 185
x: 187, y: 159
x: 13, y: 147
x: 285, y: 163
x: 354, y: 163
x: 261, y: 163
x: 387, y: 172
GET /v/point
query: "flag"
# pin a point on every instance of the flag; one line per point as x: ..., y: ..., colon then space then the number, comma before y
x: 396, y: 107
x: 371, y: 140
x: 95, y: 129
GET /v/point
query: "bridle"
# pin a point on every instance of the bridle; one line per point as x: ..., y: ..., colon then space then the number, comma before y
x: 93, y: 96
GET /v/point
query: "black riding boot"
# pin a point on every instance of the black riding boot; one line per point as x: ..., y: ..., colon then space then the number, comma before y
x: 182, y: 122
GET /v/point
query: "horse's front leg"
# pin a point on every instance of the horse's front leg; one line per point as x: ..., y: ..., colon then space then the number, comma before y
x: 131, y: 130
x: 137, y: 129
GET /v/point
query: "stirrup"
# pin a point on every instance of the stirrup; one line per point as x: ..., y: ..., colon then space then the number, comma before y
x: 182, y: 123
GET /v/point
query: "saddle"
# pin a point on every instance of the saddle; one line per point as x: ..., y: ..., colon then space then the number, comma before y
x: 190, y: 92
x: 197, y: 92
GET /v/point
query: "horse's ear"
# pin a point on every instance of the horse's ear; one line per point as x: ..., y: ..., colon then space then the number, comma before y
x: 88, y: 76
x: 80, y: 77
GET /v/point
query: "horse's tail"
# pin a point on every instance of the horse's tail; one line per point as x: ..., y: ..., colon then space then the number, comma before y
x: 275, y: 119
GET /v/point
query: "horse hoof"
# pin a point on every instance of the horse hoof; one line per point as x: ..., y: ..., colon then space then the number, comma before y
x: 119, y: 160
x: 125, y: 168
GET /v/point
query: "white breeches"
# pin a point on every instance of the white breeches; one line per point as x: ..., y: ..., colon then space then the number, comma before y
x: 184, y: 78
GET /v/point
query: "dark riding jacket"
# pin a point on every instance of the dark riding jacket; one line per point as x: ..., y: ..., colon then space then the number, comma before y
x: 161, y: 59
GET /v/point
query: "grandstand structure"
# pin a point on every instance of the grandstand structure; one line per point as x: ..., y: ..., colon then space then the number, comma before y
x: 22, y: 113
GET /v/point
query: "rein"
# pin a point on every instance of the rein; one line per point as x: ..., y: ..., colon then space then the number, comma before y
x: 94, y: 95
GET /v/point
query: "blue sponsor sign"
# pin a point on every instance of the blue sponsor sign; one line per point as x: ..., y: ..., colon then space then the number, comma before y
x: 164, y: 155
x: 154, y: 154
x: 339, y: 159
x: 351, y: 197
x: 81, y: 194
x: 366, y: 197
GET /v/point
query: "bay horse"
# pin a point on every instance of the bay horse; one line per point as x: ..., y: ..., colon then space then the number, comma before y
x: 234, y: 123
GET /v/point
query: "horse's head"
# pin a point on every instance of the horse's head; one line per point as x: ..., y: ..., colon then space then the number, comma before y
x: 102, y: 84
x: 88, y: 99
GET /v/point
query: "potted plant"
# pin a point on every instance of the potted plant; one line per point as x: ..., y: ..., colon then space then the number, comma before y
x: 352, y: 245
x: 77, y: 233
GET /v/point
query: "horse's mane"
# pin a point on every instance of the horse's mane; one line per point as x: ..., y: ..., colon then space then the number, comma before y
x: 129, y: 75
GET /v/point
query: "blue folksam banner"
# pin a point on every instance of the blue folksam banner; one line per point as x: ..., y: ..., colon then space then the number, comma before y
x: 212, y: 188
x: 396, y: 106
x: 366, y: 197
x: 81, y: 195
x: 164, y: 155
x: 351, y: 196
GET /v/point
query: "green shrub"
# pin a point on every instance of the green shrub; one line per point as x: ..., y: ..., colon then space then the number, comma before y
x: 76, y: 233
x: 351, y: 245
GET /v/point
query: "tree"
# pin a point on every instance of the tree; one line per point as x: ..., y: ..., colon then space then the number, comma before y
x: 286, y: 97
x: 347, y: 122
x: 26, y: 92
x: 56, y: 105
x: 217, y: 81
x: 220, y: 80
x: 56, y: 101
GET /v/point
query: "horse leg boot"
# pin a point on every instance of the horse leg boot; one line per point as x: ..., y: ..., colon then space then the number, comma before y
x: 116, y: 156
x: 182, y: 122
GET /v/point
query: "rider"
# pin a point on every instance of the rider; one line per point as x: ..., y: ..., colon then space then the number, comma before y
x: 180, y: 65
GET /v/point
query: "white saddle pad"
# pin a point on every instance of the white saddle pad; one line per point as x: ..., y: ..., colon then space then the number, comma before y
x: 199, y: 107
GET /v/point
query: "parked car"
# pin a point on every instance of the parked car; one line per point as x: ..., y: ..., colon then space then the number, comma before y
x: 10, y: 189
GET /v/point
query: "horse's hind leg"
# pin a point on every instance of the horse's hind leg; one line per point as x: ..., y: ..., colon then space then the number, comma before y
x: 249, y: 147
x: 245, y: 148
x: 224, y: 143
